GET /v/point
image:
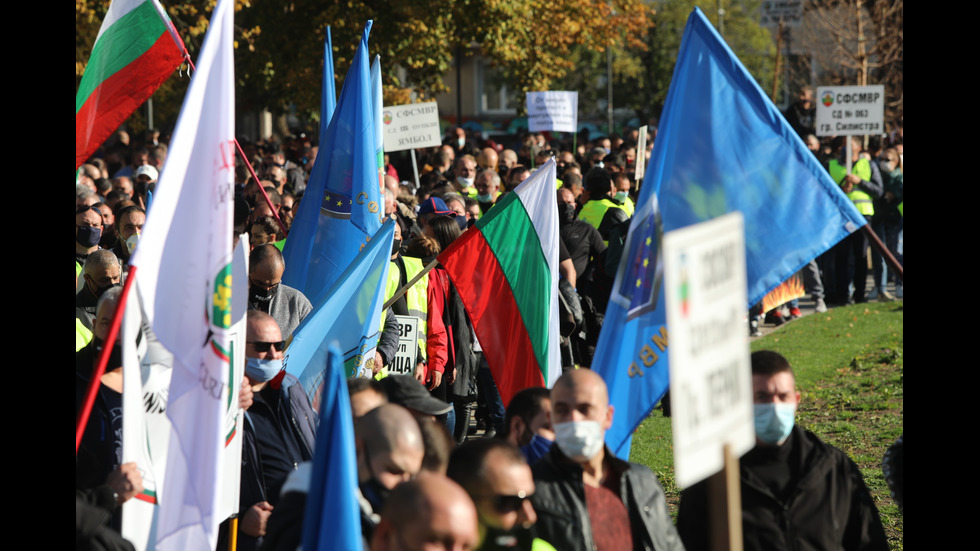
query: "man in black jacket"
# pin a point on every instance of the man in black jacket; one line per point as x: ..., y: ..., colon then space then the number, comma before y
x: 585, y: 497
x: 797, y: 492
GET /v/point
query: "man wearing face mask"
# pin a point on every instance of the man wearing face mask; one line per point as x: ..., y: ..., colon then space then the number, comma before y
x: 465, y: 173
x: 527, y: 423
x: 488, y: 189
x: 497, y: 478
x: 266, y: 293
x: 389, y: 449
x: 101, y: 273
x: 279, y: 429
x: 796, y: 490
x: 587, y: 498
x: 88, y: 232
x: 128, y: 228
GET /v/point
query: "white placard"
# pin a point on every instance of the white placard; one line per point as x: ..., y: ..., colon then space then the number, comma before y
x: 710, y: 374
x: 789, y: 12
x: 641, y: 153
x: 411, y: 126
x: 850, y: 110
x: 553, y: 111
x: 408, y: 345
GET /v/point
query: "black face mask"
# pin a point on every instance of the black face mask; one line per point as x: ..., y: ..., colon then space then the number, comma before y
x: 566, y: 212
x: 396, y: 247
x: 261, y: 295
x: 115, y: 356
x: 99, y: 291
x: 88, y: 236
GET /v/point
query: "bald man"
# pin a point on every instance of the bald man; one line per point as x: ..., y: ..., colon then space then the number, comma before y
x: 389, y: 450
x: 587, y: 498
x: 430, y: 510
x: 266, y: 292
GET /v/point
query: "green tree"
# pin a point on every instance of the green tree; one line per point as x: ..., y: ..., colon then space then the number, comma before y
x: 751, y: 43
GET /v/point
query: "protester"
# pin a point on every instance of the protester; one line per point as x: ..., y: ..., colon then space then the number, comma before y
x: 796, y: 490
x: 587, y: 498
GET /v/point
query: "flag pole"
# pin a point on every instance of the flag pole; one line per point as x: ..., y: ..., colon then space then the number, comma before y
x: 398, y: 294
x: 107, y: 345
x: 275, y: 211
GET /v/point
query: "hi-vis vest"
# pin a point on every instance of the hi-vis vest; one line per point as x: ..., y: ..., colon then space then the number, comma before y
x: 860, y: 198
x: 416, y: 297
x: 593, y: 212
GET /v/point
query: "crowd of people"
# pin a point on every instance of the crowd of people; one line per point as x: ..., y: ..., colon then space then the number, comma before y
x: 532, y: 475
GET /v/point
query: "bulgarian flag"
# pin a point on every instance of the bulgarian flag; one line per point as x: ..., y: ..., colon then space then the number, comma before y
x: 505, y: 269
x: 136, y: 50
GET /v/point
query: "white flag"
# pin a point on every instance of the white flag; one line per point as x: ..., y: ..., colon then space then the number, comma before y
x: 184, y: 267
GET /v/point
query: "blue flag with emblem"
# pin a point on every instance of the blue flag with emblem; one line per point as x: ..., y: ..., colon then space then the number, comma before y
x: 349, y: 314
x: 342, y: 207
x: 332, y: 518
x: 722, y: 146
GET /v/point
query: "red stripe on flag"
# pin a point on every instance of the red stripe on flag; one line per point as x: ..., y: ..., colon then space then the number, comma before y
x: 491, y: 306
x: 122, y: 93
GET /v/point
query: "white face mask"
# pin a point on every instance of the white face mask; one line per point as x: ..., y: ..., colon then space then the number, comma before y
x: 131, y: 242
x: 579, y: 440
x: 465, y: 182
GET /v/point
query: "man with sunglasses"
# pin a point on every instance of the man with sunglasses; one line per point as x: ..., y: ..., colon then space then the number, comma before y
x: 587, y: 498
x: 496, y: 476
x: 279, y: 429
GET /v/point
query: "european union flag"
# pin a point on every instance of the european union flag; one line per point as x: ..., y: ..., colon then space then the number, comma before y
x: 722, y: 146
x: 342, y: 206
x: 349, y: 315
x: 332, y: 519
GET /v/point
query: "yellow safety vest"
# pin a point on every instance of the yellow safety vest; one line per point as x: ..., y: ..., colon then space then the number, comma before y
x: 860, y: 198
x: 416, y: 297
x: 594, y: 211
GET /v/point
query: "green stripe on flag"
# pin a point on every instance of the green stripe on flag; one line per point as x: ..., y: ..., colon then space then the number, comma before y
x: 515, y: 243
x: 124, y: 42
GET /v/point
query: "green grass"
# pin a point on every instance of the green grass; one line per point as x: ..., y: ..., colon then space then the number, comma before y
x: 849, y: 369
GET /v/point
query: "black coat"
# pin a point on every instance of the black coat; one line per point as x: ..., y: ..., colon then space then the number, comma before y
x: 827, y: 506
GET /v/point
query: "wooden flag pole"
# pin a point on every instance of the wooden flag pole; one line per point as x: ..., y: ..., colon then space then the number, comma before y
x: 398, y: 294
x: 725, y: 505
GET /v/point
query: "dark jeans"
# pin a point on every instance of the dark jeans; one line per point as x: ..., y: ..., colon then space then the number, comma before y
x: 488, y: 389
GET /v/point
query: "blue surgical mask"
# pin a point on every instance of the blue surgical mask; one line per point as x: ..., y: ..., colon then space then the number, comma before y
x: 620, y: 196
x: 488, y: 198
x: 536, y: 449
x: 774, y: 422
x: 261, y: 371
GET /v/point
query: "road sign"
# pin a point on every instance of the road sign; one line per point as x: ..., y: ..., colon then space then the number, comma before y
x: 411, y: 126
x: 787, y: 12
x: 710, y: 375
x: 850, y: 110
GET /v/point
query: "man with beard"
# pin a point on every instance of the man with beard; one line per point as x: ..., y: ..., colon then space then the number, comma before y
x: 266, y: 292
x: 101, y: 273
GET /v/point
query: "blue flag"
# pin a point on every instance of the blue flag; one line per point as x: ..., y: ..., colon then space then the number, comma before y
x: 722, y: 146
x: 379, y: 137
x: 350, y: 315
x: 329, y: 101
x: 332, y: 519
x: 342, y: 207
